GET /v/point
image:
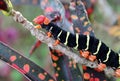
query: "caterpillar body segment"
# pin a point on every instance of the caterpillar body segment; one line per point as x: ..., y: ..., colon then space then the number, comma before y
x: 85, y: 42
x: 99, y: 51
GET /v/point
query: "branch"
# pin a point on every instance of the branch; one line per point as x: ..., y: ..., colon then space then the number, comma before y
x: 50, y: 41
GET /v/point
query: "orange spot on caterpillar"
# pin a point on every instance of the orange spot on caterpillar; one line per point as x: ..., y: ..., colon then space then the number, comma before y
x: 55, y: 58
x: 26, y: 67
x: 84, y: 54
x: 41, y: 76
x: 13, y: 58
x: 38, y: 27
x: 80, y: 51
x: 49, y: 34
x: 56, y: 42
x: 86, y: 76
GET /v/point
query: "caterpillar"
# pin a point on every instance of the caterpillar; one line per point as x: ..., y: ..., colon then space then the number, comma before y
x: 81, y: 42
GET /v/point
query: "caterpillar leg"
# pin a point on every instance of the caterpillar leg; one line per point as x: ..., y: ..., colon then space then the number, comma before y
x: 92, y: 58
x: 117, y: 73
x: 38, y: 27
x: 49, y: 34
x: 56, y: 43
x: 84, y: 54
x: 101, y: 66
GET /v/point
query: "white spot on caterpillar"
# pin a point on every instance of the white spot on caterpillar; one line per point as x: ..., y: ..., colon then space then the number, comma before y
x: 77, y: 37
x: 59, y: 34
x: 87, y: 44
x: 107, y: 55
x: 50, y: 28
x: 98, y: 48
x: 66, y: 41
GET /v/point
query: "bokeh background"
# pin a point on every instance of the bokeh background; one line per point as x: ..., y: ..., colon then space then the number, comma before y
x: 106, y: 29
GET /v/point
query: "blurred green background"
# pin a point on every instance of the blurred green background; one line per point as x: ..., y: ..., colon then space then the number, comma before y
x: 21, y: 39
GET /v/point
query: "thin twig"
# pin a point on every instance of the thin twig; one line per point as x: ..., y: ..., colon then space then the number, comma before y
x: 17, y: 16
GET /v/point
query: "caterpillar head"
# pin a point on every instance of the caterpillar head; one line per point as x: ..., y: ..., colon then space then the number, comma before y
x: 41, y: 20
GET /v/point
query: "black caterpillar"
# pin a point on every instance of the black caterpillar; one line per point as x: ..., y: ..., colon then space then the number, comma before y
x: 86, y: 42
